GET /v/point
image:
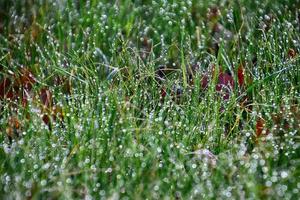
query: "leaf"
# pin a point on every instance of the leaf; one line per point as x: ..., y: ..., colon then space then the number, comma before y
x: 24, y: 99
x: 287, y: 118
x: 163, y: 92
x: 57, y: 111
x: 225, y: 79
x: 35, y: 31
x: 6, y: 89
x: 64, y: 83
x: 46, y: 98
x: 17, y: 86
x: 146, y: 48
x: 225, y: 84
x: 204, y: 81
x: 13, y: 127
x: 50, y: 111
x: 291, y: 53
x: 213, y: 14
x: 241, y: 75
x: 46, y: 119
x: 260, y: 126
x: 26, y: 79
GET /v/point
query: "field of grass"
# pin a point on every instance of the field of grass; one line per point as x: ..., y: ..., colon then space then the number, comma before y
x: 141, y: 99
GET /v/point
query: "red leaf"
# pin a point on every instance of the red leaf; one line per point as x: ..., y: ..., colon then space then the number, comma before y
x: 225, y: 84
x: 241, y: 75
x: 163, y: 92
x: 224, y: 79
x: 204, y: 82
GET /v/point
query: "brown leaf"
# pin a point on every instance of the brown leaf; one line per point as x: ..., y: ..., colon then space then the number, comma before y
x: 64, y: 82
x: 46, y: 98
x: 291, y: 53
x: 46, y: 119
x: 26, y: 79
x: 13, y: 127
x: 57, y: 111
x: 260, y: 128
x: 6, y: 89
x: 213, y: 14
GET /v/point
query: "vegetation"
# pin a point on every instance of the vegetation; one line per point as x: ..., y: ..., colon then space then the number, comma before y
x: 143, y: 99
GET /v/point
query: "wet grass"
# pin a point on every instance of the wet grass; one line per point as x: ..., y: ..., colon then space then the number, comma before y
x: 149, y: 99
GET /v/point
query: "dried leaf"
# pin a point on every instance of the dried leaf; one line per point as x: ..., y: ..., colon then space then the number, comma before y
x: 260, y: 126
x: 46, y: 98
x: 6, y: 89
x: 57, y: 111
x: 291, y: 53
x: 213, y: 14
x: 13, y: 127
x: 26, y: 79
x: 46, y: 119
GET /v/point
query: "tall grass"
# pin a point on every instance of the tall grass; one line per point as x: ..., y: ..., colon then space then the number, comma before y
x: 124, y: 81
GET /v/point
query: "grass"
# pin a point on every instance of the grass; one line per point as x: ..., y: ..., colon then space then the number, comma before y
x: 108, y: 100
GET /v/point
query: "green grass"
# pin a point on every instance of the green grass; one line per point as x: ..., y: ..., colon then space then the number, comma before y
x: 119, y: 138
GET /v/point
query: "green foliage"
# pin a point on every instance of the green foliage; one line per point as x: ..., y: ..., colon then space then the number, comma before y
x: 126, y: 78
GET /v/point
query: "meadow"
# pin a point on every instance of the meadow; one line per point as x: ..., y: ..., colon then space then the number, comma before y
x: 149, y: 99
